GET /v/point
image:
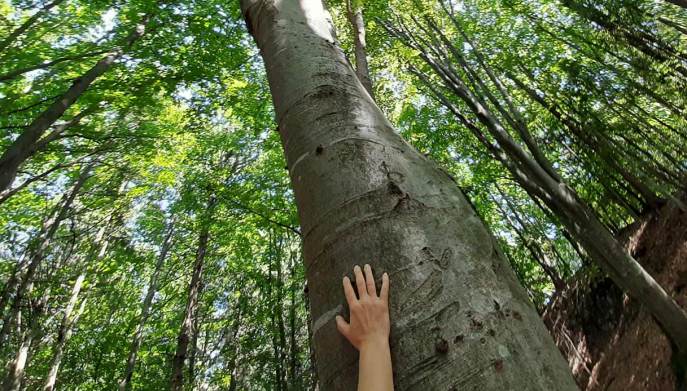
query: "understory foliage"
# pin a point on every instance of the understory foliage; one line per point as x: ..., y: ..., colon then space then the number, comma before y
x: 167, y: 168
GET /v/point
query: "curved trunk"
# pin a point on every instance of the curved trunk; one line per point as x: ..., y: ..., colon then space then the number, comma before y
x: 459, y: 317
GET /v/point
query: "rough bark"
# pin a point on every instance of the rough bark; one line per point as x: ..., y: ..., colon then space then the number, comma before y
x: 190, y: 312
x: 459, y: 317
x: 125, y: 382
x: 24, y: 145
x: 69, y: 319
x: 16, y: 33
x: 354, y: 11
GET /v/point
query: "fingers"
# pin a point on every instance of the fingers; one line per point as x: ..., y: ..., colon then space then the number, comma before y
x: 342, y: 326
x: 370, y: 281
x: 348, y: 291
x: 384, y: 292
x: 360, y: 282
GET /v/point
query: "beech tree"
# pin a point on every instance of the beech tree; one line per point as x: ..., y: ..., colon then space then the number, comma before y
x: 484, y: 210
x: 363, y: 193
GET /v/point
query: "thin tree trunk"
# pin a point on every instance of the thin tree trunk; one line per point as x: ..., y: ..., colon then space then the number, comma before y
x: 5, y: 43
x: 22, y: 147
x: 354, y: 11
x: 21, y: 281
x: 191, y: 310
x: 125, y: 382
x: 365, y: 195
x: 18, y: 72
x: 64, y: 333
x: 17, y: 368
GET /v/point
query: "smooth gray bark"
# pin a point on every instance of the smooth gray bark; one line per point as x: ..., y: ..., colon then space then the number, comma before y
x: 459, y: 318
x: 354, y: 12
x: 125, y: 382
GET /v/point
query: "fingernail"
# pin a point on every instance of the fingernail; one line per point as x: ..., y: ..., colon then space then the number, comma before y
x: 356, y: 267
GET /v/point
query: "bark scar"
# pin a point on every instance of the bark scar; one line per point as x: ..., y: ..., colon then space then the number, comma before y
x: 325, y: 318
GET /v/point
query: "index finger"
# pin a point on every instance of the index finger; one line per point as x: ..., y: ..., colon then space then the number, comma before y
x: 348, y: 291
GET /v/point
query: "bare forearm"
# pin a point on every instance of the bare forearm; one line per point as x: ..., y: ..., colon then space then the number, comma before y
x: 375, y: 367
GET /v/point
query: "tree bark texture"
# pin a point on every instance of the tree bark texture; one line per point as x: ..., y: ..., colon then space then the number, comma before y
x: 459, y: 318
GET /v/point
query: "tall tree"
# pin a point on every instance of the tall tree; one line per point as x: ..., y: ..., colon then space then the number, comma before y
x: 365, y: 194
x: 354, y: 12
x: 188, y: 322
x: 125, y: 382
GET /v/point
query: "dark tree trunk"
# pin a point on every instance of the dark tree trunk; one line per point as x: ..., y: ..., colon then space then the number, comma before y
x: 187, y: 325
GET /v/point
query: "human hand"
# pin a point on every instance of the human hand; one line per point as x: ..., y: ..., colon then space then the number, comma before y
x: 369, y: 324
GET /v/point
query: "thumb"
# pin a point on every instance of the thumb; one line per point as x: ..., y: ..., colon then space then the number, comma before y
x: 342, y: 326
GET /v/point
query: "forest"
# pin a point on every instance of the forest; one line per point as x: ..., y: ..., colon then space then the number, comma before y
x: 183, y: 184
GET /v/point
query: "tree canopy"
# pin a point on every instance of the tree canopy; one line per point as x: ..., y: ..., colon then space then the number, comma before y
x: 141, y: 154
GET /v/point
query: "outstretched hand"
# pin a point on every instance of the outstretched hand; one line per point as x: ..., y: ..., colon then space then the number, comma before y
x: 369, y: 328
x: 369, y: 311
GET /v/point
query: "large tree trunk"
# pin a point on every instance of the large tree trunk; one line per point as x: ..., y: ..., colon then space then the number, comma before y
x: 459, y: 317
x: 125, y: 383
x: 354, y: 11
x: 69, y: 319
x: 20, y: 283
x: 186, y: 331
x: 24, y: 145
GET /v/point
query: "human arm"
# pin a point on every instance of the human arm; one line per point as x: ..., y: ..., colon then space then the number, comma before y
x: 368, y: 330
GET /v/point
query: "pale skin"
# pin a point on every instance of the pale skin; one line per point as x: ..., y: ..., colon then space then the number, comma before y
x: 368, y: 329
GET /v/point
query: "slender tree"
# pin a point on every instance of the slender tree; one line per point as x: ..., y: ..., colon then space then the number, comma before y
x: 354, y: 12
x: 125, y: 382
x: 191, y: 311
